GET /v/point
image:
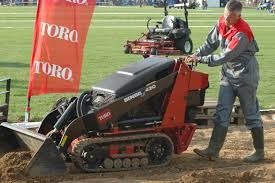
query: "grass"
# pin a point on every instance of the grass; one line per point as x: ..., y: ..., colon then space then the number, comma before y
x: 103, y: 52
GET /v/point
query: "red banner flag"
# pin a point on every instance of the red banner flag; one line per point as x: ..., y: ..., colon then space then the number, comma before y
x: 60, y: 33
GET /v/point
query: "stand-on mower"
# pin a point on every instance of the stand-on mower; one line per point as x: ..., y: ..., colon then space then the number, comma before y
x: 135, y: 118
x: 171, y: 36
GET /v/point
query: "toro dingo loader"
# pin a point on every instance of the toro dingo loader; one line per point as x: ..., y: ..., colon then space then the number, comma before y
x: 138, y: 117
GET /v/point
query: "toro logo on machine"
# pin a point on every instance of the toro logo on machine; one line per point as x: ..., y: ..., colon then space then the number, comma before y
x: 104, y: 116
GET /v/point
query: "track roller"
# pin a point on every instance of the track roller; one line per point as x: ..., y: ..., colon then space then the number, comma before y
x: 108, y: 163
x: 135, y: 162
x: 126, y: 163
x: 117, y: 163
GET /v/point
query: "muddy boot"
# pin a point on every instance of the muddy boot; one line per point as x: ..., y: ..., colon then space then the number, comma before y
x: 258, y: 143
x: 216, y: 142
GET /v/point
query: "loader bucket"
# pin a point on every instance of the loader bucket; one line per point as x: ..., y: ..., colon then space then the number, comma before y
x: 46, y: 159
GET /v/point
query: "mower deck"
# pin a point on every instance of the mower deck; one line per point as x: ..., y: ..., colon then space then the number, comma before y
x: 147, y: 47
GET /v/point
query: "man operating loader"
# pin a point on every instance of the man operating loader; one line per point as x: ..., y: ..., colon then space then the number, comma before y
x: 239, y: 78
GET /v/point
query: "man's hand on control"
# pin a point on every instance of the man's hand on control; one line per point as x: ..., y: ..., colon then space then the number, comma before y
x: 192, y: 59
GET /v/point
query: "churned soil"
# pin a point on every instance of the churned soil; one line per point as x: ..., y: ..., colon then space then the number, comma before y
x: 186, y: 167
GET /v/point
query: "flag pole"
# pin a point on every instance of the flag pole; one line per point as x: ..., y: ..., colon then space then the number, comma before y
x: 28, y: 111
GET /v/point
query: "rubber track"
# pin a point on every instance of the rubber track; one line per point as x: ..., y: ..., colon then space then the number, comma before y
x: 100, y: 140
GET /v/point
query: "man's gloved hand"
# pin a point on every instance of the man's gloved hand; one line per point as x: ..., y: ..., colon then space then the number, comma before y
x: 192, y: 59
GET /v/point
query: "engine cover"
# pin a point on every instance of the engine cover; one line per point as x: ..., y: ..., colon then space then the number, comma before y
x: 134, y: 76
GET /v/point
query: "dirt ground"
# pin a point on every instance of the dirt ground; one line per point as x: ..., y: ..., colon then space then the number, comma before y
x: 186, y: 167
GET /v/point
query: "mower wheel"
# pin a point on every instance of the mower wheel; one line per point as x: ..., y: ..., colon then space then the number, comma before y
x: 145, y: 56
x: 185, y: 45
x: 127, y: 49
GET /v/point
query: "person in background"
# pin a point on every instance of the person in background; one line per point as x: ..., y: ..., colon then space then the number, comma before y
x: 204, y: 4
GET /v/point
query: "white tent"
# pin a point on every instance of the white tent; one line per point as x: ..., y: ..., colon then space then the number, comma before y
x: 211, y: 3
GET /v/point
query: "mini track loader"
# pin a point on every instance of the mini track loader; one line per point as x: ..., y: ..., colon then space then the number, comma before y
x: 138, y: 117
